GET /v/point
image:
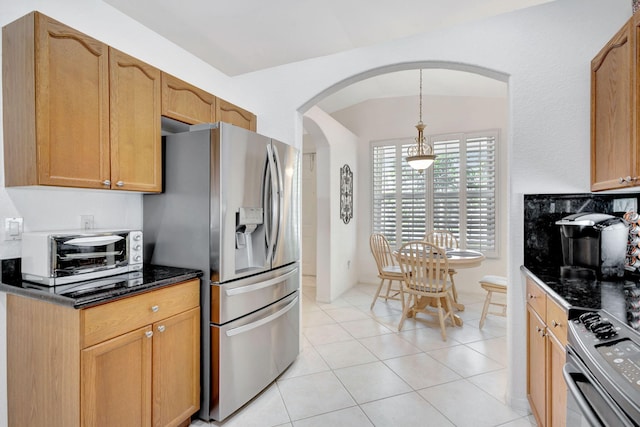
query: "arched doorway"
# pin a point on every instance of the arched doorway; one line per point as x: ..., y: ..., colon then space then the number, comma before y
x: 364, y: 262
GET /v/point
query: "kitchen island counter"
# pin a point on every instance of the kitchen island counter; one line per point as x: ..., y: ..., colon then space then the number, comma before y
x: 94, y: 292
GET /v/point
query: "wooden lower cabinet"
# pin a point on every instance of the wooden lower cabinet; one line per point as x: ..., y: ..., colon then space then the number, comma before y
x: 546, y: 355
x: 116, y: 381
x: 536, y: 365
x: 69, y: 367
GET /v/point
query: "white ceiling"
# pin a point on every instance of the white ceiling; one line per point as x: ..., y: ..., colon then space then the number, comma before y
x: 242, y: 36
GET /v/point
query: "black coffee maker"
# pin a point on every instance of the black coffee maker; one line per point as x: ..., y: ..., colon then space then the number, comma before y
x: 593, y: 244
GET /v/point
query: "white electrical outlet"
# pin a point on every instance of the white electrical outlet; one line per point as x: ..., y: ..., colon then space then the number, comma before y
x: 13, y: 228
x: 625, y: 205
x: 86, y: 222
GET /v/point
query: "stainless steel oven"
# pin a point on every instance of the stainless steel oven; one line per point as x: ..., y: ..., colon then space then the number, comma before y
x: 602, y: 371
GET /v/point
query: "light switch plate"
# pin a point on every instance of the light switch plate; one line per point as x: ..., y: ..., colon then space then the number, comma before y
x: 13, y: 228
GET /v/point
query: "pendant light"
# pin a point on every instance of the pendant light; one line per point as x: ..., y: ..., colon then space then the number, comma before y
x: 420, y: 156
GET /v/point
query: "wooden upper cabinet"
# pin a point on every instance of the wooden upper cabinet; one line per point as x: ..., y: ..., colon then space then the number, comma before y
x: 136, y: 143
x: 78, y: 113
x: 185, y: 102
x: 614, y: 110
x: 56, y: 105
x: 229, y: 113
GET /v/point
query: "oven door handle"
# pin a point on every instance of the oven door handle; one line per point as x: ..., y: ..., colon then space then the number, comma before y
x: 263, y: 321
x: 570, y: 373
x: 93, y: 241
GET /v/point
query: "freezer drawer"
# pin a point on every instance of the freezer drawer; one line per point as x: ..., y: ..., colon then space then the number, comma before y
x: 232, y: 300
x: 248, y: 354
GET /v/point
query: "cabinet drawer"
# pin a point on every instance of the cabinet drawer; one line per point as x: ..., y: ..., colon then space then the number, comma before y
x: 537, y: 299
x: 557, y: 320
x: 116, y: 318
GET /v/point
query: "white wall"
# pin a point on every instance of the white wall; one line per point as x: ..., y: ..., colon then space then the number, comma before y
x: 545, y: 52
x: 337, y: 241
x: 383, y: 119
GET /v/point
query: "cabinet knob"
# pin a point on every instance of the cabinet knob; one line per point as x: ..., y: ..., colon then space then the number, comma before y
x: 106, y: 183
x: 161, y: 328
x: 555, y: 324
x: 120, y: 183
x: 531, y: 296
x: 155, y: 308
x: 627, y: 179
x: 540, y: 331
x: 148, y: 334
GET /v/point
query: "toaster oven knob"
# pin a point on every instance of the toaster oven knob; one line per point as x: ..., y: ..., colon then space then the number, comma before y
x: 137, y: 258
x: 137, y: 247
x: 137, y: 237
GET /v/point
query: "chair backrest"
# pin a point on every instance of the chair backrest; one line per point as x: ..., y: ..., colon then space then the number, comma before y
x: 424, y: 266
x: 381, y: 251
x: 442, y: 238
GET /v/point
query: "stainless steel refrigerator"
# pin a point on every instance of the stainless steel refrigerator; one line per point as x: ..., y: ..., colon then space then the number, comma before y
x: 230, y: 208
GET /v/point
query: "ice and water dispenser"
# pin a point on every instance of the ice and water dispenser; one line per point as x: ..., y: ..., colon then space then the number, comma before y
x: 250, y: 247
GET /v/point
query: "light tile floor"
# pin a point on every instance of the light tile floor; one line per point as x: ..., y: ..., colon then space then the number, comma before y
x: 356, y: 369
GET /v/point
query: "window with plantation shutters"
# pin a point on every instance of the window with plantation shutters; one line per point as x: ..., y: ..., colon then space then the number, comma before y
x: 457, y: 193
x: 398, y: 205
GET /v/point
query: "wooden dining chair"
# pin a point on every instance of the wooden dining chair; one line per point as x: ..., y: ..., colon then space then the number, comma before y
x: 388, y: 270
x: 445, y: 239
x: 426, y: 281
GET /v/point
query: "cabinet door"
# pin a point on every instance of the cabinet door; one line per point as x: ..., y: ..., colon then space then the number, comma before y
x: 72, y: 107
x: 136, y: 143
x: 116, y: 381
x: 176, y: 368
x: 186, y: 103
x: 613, y: 145
x: 536, y: 351
x: 229, y: 113
x: 557, y: 388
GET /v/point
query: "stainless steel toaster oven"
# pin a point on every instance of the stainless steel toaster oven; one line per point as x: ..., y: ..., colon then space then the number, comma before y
x: 56, y: 258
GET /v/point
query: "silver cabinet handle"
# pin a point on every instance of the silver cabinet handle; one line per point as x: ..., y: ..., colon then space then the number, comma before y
x: 161, y: 328
x: 155, y: 308
x: 120, y: 184
x: 148, y: 334
x: 106, y: 183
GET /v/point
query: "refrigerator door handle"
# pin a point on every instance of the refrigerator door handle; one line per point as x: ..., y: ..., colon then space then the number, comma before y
x: 250, y: 288
x: 279, y: 201
x: 263, y: 321
x: 271, y: 201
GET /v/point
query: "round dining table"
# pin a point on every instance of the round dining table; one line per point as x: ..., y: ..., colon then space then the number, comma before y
x: 457, y: 258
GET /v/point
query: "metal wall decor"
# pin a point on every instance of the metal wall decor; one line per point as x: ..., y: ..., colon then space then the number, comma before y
x: 346, y: 194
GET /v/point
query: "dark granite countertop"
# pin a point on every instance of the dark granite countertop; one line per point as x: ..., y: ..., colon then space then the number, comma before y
x: 620, y: 297
x: 98, y: 291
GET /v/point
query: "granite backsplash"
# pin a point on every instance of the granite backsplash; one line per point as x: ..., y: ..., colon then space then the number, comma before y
x: 542, y: 246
